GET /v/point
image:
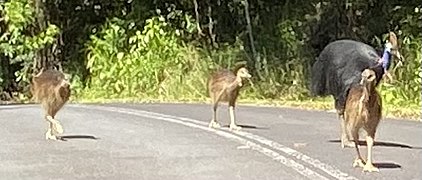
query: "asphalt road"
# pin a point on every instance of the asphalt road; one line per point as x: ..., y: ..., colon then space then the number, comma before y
x: 172, y: 141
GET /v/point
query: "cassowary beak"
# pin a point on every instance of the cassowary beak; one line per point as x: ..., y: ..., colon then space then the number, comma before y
x: 362, y: 81
x: 65, y: 83
x: 400, y: 57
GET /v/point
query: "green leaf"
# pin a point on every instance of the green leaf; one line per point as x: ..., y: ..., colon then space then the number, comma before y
x: 120, y: 55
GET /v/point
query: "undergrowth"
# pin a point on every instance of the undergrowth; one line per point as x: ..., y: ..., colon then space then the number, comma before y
x: 153, y: 64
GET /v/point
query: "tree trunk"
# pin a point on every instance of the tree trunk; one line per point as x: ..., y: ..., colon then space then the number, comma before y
x: 210, y: 27
x: 256, y: 58
x: 198, y: 26
x: 45, y: 58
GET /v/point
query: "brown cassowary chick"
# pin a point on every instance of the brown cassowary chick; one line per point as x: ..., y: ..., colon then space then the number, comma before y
x: 51, y: 89
x: 363, y: 110
x: 224, y: 85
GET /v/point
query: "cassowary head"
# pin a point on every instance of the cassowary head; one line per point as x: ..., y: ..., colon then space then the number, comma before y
x: 368, y: 79
x: 394, y: 46
x: 243, y: 73
x: 391, y: 49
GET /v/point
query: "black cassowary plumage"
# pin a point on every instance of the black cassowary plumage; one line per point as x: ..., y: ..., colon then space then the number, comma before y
x: 339, y: 67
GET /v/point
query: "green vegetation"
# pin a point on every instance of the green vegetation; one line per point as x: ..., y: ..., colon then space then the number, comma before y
x: 141, y: 51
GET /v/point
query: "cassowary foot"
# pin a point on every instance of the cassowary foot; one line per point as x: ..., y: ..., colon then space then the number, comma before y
x: 347, y: 143
x: 358, y: 163
x: 214, y: 124
x: 369, y: 167
x: 48, y: 136
x: 57, y: 127
x: 235, y: 127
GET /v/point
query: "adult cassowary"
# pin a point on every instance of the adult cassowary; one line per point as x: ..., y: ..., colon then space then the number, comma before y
x: 340, y: 65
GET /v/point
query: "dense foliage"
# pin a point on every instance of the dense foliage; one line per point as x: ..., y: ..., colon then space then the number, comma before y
x: 166, y: 49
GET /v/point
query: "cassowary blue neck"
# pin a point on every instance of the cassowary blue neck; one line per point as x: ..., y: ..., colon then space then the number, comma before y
x: 386, y: 57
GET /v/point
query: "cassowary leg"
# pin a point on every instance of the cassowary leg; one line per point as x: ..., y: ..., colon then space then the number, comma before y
x: 214, y: 123
x: 233, y: 125
x: 369, y: 166
x: 359, y: 162
x: 345, y: 133
x: 57, y: 127
x: 49, y: 133
x: 54, y: 128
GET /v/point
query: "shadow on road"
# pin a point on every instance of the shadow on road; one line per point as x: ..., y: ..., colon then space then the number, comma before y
x: 67, y: 137
x: 384, y: 144
x: 387, y: 165
x: 244, y: 126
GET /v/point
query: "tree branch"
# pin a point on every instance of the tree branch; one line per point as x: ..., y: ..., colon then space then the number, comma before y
x: 198, y: 26
x: 256, y: 58
x: 211, y: 26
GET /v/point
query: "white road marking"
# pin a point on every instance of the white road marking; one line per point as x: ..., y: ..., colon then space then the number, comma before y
x: 15, y: 106
x: 266, y: 151
x: 332, y: 171
x: 243, y: 147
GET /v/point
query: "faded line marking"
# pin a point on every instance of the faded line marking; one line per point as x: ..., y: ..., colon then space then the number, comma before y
x: 16, y: 106
x: 332, y: 171
x: 301, y: 169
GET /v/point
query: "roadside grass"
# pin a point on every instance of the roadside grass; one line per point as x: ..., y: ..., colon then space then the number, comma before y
x: 169, y: 70
x: 402, y: 112
x: 409, y: 112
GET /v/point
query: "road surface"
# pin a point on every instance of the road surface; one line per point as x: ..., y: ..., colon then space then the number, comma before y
x: 172, y: 141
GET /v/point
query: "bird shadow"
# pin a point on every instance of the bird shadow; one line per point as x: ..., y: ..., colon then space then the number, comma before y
x: 387, y: 165
x: 244, y: 126
x: 383, y: 144
x: 68, y: 137
x: 384, y: 165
